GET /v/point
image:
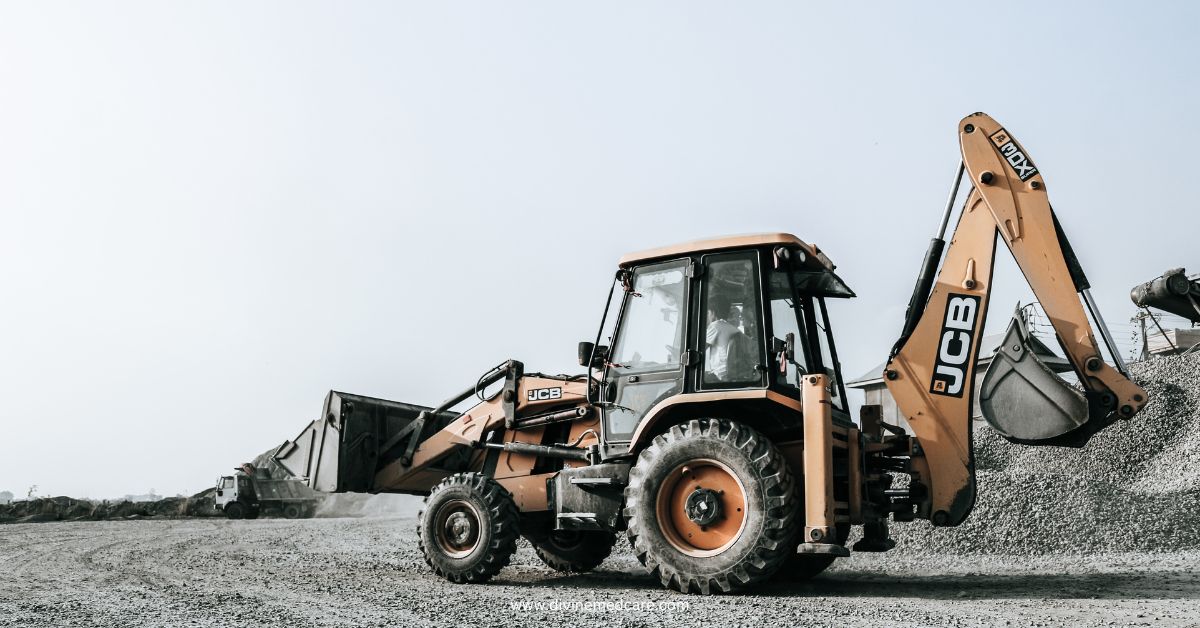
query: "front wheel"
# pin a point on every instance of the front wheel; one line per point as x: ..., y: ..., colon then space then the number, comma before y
x: 710, y: 507
x: 468, y: 529
x: 236, y: 510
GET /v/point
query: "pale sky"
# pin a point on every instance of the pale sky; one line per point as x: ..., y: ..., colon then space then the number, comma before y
x: 213, y: 213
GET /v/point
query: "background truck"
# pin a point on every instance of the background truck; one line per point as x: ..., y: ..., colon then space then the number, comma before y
x: 252, y: 491
x: 712, y: 427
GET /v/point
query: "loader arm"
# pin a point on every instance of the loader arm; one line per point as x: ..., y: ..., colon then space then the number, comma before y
x: 932, y: 370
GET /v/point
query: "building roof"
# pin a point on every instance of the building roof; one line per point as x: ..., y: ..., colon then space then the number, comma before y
x: 728, y: 242
x: 987, y: 348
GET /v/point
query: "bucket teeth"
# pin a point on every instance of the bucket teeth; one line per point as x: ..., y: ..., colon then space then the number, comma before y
x: 1023, y: 399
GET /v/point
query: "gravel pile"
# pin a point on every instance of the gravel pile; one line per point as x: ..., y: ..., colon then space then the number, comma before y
x: 1134, y: 487
x: 365, y: 505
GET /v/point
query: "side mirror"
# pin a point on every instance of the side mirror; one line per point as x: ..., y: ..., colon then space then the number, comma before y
x: 789, y: 347
x: 591, y: 351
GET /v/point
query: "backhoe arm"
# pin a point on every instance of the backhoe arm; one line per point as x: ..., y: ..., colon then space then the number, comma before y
x: 932, y: 369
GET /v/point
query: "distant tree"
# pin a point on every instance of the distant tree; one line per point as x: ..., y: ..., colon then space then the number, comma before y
x: 6, y: 497
x: 32, y: 492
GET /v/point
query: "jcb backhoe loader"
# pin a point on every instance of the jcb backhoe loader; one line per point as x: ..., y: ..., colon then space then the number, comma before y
x: 714, y: 429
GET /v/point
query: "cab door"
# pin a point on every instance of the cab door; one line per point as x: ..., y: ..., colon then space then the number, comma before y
x: 729, y: 338
x: 646, y: 359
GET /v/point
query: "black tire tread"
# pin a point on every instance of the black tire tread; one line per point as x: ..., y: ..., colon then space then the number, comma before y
x: 235, y: 510
x: 798, y: 568
x: 771, y: 548
x: 504, y: 524
x: 588, y: 556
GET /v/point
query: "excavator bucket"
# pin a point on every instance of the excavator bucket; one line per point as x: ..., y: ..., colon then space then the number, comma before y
x: 1026, y: 401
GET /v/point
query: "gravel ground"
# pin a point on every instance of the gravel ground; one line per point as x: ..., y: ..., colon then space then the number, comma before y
x: 368, y: 572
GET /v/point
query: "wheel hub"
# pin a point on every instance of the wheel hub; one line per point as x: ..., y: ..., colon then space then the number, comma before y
x: 703, y: 506
x: 457, y: 528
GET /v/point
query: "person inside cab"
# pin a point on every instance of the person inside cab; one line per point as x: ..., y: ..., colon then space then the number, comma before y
x: 719, y: 338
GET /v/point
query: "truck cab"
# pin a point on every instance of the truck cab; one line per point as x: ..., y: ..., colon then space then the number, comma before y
x: 236, y: 497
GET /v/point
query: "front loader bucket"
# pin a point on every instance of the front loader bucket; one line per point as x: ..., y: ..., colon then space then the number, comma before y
x: 1026, y: 401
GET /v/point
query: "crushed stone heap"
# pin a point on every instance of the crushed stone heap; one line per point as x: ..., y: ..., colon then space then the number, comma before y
x: 1134, y: 487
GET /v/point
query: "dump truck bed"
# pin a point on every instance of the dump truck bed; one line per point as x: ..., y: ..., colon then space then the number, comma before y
x: 355, y: 436
x: 283, y: 491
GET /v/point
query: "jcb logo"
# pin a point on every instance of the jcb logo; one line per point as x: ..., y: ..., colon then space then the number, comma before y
x: 954, y: 348
x: 543, y: 394
x: 1014, y: 155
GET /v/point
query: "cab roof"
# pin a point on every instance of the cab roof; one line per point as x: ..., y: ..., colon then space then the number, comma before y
x: 725, y: 243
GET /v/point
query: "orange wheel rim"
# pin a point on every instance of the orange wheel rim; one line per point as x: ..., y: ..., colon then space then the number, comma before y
x: 701, y: 507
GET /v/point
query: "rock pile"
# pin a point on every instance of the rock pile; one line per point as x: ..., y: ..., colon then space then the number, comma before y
x: 1134, y: 487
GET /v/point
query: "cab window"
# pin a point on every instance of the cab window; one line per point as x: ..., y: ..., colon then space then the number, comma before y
x: 650, y: 333
x: 824, y: 337
x: 731, y: 339
x: 787, y: 317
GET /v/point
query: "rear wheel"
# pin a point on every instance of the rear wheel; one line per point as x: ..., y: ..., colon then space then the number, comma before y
x: 292, y: 511
x: 236, y: 510
x: 573, y: 551
x: 468, y: 529
x: 710, y: 507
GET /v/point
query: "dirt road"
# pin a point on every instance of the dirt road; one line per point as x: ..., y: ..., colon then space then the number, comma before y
x: 367, y: 572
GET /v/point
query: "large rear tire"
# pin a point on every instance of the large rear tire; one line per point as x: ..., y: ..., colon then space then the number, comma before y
x: 573, y: 551
x: 710, y: 507
x: 468, y: 529
x: 292, y: 511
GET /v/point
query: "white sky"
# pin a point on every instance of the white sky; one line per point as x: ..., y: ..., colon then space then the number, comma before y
x: 213, y: 213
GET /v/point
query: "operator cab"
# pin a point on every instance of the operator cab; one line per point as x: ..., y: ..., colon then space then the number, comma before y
x: 739, y: 319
